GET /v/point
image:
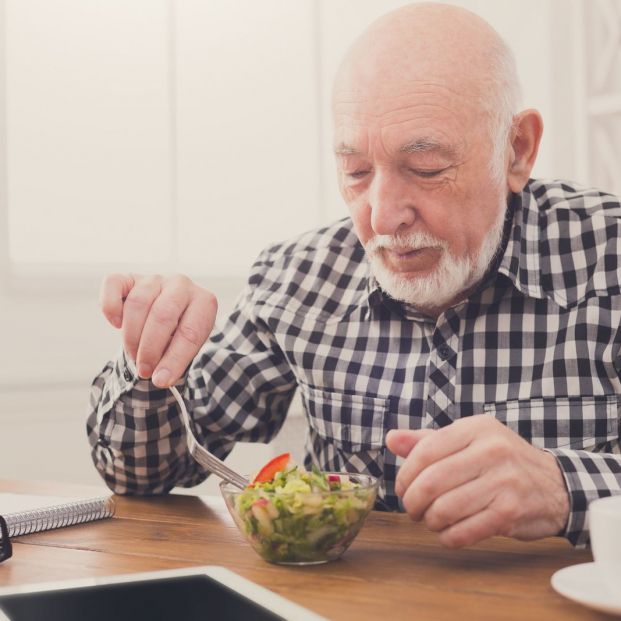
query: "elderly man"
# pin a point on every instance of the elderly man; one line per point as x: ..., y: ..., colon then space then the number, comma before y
x: 457, y: 336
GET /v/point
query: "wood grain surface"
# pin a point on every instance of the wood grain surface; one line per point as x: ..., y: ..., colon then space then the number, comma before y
x: 394, y: 569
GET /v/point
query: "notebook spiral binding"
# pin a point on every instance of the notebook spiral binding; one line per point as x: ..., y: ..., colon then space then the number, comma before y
x: 58, y: 516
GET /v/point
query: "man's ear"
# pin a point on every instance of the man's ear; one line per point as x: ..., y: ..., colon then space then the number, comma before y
x: 525, y: 138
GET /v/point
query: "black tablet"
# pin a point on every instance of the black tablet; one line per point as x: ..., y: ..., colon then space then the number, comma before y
x: 195, y: 594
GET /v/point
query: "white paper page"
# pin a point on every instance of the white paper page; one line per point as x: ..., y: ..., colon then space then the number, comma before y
x: 16, y: 503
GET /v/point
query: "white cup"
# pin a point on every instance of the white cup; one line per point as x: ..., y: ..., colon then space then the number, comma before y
x: 605, y: 533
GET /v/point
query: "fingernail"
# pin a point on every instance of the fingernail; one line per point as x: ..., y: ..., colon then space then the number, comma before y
x: 144, y: 370
x: 161, y: 377
x: 118, y: 321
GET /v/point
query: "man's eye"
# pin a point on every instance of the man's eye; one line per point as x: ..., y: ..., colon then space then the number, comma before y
x: 357, y: 174
x: 427, y: 174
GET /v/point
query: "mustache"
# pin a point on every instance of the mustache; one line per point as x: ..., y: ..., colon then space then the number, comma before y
x: 412, y: 241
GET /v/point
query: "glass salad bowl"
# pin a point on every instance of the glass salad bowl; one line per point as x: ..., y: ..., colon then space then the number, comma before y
x: 302, y: 518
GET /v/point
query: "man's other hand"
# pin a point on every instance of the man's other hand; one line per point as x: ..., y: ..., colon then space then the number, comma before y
x: 476, y: 478
x: 165, y: 321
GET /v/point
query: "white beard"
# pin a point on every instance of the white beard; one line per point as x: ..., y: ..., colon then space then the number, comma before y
x: 452, y: 276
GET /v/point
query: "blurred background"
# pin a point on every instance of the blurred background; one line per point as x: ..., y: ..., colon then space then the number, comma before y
x: 186, y: 135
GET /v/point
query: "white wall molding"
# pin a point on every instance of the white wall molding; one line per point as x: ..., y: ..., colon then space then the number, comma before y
x: 598, y: 25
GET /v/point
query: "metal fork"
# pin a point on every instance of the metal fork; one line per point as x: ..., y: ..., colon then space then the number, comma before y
x: 206, y: 459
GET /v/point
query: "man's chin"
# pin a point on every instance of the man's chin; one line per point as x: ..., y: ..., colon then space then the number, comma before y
x: 424, y: 290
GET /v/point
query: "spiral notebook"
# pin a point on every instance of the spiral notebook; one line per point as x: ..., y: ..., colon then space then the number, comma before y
x: 25, y: 514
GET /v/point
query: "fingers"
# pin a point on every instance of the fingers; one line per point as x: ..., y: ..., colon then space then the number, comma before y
x: 114, y: 290
x: 402, y: 441
x: 192, y: 331
x: 165, y: 322
x: 135, y: 311
x: 177, y: 325
x: 160, y: 322
x: 444, y: 482
x: 470, y: 530
x: 495, y: 511
x: 431, y: 448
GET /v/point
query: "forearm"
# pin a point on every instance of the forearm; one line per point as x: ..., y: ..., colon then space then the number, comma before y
x: 137, y: 435
x: 137, y: 439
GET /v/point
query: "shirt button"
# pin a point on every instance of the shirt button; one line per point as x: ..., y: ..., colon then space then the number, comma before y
x: 444, y: 351
x: 127, y: 374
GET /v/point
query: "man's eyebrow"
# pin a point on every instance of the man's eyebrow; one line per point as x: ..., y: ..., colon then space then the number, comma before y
x: 426, y: 145
x: 420, y: 145
x: 345, y: 149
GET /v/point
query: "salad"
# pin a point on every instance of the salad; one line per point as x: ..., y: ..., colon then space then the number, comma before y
x: 292, y: 515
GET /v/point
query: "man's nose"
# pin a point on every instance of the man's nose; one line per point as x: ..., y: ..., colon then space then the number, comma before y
x: 392, y: 210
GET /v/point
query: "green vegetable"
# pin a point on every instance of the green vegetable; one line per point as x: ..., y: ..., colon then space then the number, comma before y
x: 302, y: 516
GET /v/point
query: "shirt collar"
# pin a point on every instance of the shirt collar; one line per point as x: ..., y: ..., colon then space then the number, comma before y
x: 376, y: 296
x: 521, y: 260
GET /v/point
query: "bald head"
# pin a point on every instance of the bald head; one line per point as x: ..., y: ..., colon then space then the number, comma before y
x: 438, y: 47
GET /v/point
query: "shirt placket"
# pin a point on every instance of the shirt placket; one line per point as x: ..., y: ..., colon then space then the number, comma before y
x: 441, y: 374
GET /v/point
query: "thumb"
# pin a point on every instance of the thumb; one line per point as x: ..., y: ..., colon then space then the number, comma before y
x: 402, y: 441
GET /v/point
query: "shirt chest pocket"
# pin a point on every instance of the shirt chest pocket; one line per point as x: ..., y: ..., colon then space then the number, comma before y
x: 353, y: 423
x: 572, y: 422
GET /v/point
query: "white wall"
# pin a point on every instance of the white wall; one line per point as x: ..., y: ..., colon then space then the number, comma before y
x: 168, y: 135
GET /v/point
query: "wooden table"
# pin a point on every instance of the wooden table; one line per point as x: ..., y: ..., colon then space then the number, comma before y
x: 395, y: 569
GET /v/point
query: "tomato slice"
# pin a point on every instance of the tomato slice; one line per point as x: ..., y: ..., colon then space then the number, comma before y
x: 270, y: 469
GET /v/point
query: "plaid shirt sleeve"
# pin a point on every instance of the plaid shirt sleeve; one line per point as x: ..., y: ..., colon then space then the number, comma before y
x: 588, y: 476
x: 238, y: 388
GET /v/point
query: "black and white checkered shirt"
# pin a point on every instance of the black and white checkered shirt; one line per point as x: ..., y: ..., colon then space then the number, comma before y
x: 537, y: 346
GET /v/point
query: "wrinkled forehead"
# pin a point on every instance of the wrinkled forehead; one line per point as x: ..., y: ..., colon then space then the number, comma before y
x: 399, y: 112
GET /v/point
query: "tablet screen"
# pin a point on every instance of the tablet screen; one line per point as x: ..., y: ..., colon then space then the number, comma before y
x: 186, y: 598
